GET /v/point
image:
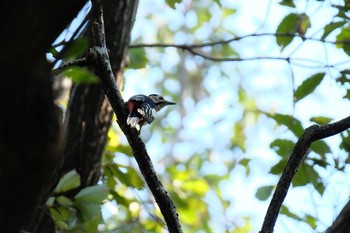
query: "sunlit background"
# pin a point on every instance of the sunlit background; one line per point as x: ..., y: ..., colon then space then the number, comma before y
x: 212, y: 150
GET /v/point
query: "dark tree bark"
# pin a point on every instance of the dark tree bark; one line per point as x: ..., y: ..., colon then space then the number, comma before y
x: 30, y: 131
x: 29, y: 127
x: 341, y: 223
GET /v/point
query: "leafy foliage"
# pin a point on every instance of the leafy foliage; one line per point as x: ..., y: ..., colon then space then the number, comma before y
x: 82, y: 213
x: 214, y: 132
x: 80, y: 75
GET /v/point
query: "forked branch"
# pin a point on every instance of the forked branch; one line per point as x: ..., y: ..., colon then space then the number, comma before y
x: 311, y: 134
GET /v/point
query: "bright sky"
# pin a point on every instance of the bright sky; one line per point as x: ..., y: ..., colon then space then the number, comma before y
x: 271, y: 82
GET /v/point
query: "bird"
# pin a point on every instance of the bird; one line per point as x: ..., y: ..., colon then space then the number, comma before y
x: 142, y: 109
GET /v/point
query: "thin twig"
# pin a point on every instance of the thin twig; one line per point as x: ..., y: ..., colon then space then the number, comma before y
x: 103, y: 68
x: 81, y: 62
x: 311, y: 134
x: 220, y: 42
x: 71, y: 39
x: 193, y: 48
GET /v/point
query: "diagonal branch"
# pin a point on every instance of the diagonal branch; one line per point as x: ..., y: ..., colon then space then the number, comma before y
x: 311, y: 134
x: 99, y: 54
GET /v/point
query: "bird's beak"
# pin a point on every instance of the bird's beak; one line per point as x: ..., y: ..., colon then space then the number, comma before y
x: 169, y: 103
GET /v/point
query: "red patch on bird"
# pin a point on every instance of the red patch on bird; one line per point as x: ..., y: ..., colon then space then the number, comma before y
x: 131, y: 105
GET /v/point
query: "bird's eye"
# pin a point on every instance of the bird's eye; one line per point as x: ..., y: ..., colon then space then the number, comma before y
x: 161, y: 97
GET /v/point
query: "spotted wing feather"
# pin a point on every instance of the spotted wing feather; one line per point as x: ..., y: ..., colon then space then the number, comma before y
x: 147, y: 112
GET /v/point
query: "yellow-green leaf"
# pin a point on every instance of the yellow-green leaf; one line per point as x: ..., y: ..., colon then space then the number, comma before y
x: 80, y: 75
x: 321, y: 120
x: 199, y: 186
x: 344, y: 35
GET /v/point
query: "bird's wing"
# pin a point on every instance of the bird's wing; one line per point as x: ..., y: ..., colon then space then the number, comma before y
x: 147, y: 112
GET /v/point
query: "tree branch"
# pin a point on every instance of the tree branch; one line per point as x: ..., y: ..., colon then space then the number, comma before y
x: 311, y: 134
x: 341, y: 223
x: 103, y: 68
x: 237, y: 38
x: 195, y: 49
x: 81, y: 62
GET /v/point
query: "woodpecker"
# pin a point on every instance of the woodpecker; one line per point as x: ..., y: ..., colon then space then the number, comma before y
x: 142, y: 109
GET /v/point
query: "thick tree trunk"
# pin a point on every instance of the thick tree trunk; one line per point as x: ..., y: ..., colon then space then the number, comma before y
x: 29, y: 127
x: 29, y: 120
x: 88, y: 116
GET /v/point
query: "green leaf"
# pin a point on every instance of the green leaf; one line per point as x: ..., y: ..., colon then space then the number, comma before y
x: 130, y: 178
x: 54, y: 52
x: 50, y: 201
x: 320, y: 162
x: 77, y: 49
x: 282, y: 147
x: 328, y: 29
x: 321, y: 120
x: 305, y: 174
x: 138, y: 58
x: 319, y: 185
x: 289, y: 3
x: 345, y: 143
x: 347, y: 95
x: 245, y: 163
x: 344, y: 35
x: 61, y: 225
x: 171, y: 3
x: 285, y: 211
x: 228, y: 12
x: 308, y: 86
x: 64, y: 201
x: 287, y: 25
x: 320, y: 147
x: 80, y: 75
x: 90, y: 210
x: 278, y: 167
x: 264, y: 192
x: 290, y: 122
x: 69, y: 181
x: 344, y: 77
x: 311, y: 221
x: 304, y: 24
x: 94, y: 194
x: 60, y: 213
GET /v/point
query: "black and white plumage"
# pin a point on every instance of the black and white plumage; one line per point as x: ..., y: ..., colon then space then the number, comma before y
x: 142, y: 109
